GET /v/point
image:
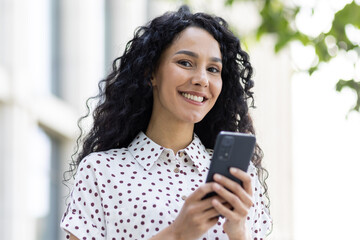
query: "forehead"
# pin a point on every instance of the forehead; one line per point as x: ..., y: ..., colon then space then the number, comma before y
x: 196, y: 39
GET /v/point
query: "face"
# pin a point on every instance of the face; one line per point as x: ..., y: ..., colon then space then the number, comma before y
x: 188, y: 81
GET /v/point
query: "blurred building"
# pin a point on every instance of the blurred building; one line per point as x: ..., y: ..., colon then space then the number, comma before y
x: 53, y: 53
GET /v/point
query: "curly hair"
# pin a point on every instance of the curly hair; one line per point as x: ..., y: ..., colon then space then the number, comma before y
x: 125, y: 95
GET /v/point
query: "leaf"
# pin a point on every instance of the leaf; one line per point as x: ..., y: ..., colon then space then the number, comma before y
x: 277, y: 18
x: 305, y: 40
x: 229, y: 2
x: 347, y: 83
x: 352, y: 84
x: 321, y: 49
x: 313, y: 69
x: 282, y: 41
x: 348, y: 15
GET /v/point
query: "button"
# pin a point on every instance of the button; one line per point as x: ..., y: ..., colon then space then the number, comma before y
x: 181, y: 154
x: 183, y: 197
x: 176, y: 170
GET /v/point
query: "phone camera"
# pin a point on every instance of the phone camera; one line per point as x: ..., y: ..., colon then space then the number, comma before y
x: 227, y: 141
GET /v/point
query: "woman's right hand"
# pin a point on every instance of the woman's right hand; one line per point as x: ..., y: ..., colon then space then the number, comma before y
x: 196, y: 217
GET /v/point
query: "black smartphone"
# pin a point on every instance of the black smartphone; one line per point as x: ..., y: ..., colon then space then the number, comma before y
x: 232, y: 149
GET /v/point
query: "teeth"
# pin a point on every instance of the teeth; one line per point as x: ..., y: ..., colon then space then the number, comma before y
x: 193, y: 97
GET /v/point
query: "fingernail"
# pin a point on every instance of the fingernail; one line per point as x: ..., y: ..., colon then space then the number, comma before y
x: 217, y: 176
x: 215, y: 202
x: 216, y: 186
x: 233, y: 170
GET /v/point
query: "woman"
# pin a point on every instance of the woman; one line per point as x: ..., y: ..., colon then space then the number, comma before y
x: 140, y: 174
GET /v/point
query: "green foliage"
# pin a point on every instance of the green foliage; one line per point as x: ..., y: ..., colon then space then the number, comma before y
x: 352, y: 84
x: 278, y: 19
x: 350, y: 14
x: 229, y: 2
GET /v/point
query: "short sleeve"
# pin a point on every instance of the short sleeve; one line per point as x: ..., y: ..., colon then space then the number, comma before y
x: 259, y: 219
x: 84, y: 217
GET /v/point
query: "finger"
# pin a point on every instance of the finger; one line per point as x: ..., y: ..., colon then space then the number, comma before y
x: 195, y: 200
x: 212, y: 221
x: 200, y: 192
x: 239, y: 206
x: 244, y: 177
x: 235, y: 188
x: 224, y: 210
x: 213, y: 213
x: 208, y: 201
x: 228, y: 206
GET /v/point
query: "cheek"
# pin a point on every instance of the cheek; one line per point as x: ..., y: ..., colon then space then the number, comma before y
x: 217, y: 88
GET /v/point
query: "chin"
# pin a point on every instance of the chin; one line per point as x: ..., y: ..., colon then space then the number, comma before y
x: 195, y: 118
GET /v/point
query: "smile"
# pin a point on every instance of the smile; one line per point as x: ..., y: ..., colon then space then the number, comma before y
x: 193, y: 97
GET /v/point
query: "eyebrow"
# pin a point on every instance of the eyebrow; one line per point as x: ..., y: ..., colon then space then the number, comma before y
x: 192, y: 54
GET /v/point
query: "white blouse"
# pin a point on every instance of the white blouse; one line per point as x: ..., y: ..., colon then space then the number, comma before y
x: 134, y: 192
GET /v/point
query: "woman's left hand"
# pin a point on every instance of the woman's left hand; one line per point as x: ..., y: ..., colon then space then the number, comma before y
x: 240, y: 199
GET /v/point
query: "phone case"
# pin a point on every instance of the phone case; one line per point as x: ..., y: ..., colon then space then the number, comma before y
x: 232, y: 149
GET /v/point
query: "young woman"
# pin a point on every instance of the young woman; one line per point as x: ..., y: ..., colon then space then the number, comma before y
x: 141, y: 171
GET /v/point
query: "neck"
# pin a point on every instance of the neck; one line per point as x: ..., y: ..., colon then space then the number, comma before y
x: 174, y: 136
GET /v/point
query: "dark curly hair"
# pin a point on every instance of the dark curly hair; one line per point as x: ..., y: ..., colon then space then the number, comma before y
x: 125, y: 96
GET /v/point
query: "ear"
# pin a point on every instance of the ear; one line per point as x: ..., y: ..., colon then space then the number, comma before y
x: 153, y: 80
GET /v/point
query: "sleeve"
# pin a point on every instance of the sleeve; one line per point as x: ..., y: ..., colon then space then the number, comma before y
x: 259, y: 220
x: 84, y: 217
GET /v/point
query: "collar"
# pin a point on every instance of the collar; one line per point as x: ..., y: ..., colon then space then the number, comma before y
x: 199, y: 154
x: 146, y: 152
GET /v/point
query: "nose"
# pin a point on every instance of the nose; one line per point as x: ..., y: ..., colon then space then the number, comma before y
x: 201, y: 78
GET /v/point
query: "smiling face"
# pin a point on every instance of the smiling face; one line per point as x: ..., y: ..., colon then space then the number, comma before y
x: 188, y: 81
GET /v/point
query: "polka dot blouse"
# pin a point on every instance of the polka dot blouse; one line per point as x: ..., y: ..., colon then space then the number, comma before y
x: 135, y: 192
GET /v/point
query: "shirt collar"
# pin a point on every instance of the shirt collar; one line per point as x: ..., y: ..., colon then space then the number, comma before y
x: 146, y: 152
x: 198, y: 154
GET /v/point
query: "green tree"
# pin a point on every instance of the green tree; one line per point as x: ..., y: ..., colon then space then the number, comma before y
x: 278, y: 19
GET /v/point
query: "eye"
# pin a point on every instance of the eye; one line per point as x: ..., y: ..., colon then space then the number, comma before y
x: 184, y: 63
x: 213, y: 70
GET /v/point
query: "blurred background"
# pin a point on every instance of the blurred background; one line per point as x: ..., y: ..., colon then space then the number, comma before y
x: 307, y: 72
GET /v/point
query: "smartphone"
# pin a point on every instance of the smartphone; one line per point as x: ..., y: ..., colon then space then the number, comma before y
x: 232, y: 149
